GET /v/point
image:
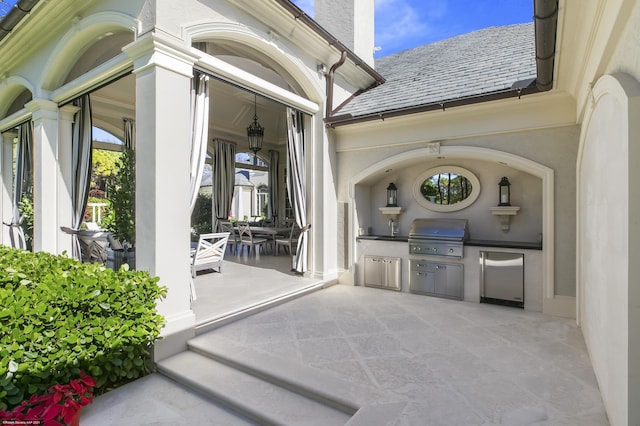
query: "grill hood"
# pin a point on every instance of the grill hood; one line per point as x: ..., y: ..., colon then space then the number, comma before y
x: 439, y: 229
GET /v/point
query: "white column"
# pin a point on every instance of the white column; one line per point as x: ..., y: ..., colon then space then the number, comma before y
x: 163, y: 81
x: 6, y: 184
x: 45, y: 174
x: 65, y: 177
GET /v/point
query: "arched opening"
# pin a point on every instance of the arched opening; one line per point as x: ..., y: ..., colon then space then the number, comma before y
x: 259, y: 86
x: 472, y: 158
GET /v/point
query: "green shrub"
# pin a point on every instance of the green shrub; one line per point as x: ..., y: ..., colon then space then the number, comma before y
x: 59, y: 316
x: 201, y: 216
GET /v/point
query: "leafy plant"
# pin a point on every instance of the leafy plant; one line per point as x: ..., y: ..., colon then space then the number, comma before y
x: 201, y: 216
x: 121, y: 219
x: 56, y: 407
x: 59, y: 316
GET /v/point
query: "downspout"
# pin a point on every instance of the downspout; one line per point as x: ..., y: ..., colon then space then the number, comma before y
x: 329, y: 81
x: 11, y: 19
x: 546, y: 19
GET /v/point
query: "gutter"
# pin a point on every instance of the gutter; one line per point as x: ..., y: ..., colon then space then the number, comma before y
x: 545, y: 15
x: 11, y: 19
x: 329, y: 82
x: 519, y: 88
x: 299, y: 14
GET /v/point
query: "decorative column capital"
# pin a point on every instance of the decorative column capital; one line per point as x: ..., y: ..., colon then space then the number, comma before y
x: 68, y: 111
x: 42, y: 109
x: 161, y: 50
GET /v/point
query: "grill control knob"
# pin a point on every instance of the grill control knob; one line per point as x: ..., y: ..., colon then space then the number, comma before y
x: 451, y: 251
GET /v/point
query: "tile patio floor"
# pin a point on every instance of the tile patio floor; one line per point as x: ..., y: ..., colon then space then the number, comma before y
x: 446, y: 362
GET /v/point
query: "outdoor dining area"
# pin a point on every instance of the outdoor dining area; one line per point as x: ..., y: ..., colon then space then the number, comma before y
x: 266, y: 237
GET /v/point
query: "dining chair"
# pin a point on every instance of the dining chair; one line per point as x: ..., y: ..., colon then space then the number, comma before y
x: 246, y: 238
x: 291, y: 244
x: 234, y: 241
x: 288, y: 242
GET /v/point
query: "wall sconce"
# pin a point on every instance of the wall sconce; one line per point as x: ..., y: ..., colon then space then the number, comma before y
x: 505, y: 192
x: 392, y: 195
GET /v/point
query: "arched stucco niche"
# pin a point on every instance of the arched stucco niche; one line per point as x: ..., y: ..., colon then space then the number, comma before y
x: 408, y: 159
x: 15, y: 92
x: 89, y: 43
x: 233, y: 40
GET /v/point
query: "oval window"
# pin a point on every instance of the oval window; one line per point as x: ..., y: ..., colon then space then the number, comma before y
x: 446, y: 188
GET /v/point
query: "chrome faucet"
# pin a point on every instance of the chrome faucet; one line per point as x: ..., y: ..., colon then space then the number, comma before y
x: 394, y: 227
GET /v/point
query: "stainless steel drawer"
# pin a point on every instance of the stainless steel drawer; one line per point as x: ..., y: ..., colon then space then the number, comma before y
x: 437, y: 279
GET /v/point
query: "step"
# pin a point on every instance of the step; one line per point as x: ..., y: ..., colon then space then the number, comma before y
x: 257, y: 399
x: 322, y: 386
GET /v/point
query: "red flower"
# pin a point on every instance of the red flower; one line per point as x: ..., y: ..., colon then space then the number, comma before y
x: 58, y: 406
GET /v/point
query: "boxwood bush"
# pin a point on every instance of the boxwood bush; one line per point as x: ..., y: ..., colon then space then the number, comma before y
x: 59, y: 316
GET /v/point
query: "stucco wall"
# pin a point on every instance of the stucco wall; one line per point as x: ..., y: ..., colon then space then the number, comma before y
x: 626, y: 58
x: 604, y: 256
x: 609, y: 230
x: 555, y: 148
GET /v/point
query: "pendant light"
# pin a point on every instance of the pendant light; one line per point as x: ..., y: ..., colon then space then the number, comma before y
x: 255, y: 132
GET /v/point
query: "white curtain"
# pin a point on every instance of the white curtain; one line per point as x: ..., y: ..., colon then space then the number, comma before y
x: 22, y: 182
x: 81, y: 164
x: 274, y: 184
x: 297, y: 182
x: 199, y: 130
x: 129, y: 126
x: 22, y: 175
x: 224, y: 174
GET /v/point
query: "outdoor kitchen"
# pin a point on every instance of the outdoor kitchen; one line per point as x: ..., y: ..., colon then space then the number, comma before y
x: 485, y: 246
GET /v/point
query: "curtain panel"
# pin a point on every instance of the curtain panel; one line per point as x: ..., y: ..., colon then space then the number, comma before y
x: 23, y: 178
x: 129, y: 127
x: 274, y: 184
x: 224, y: 171
x: 81, y: 164
x: 297, y: 182
x: 199, y: 131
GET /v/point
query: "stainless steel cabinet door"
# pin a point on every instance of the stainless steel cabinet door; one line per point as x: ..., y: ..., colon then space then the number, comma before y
x: 383, y: 272
x: 373, y: 271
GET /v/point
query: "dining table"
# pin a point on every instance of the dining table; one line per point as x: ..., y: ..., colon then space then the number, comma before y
x: 270, y: 232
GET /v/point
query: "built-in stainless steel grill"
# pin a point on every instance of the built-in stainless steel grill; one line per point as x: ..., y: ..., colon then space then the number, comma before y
x: 438, y: 237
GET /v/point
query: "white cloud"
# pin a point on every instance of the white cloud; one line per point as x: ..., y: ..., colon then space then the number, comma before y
x: 402, y: 22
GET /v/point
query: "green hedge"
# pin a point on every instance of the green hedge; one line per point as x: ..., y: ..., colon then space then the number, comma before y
x: 59, y: 316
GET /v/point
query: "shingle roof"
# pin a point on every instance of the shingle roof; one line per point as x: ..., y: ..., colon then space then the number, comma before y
x: 476, y: 63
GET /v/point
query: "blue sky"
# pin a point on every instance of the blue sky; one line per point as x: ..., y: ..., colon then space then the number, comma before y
x: 5, y: 6
x: 405, y: 24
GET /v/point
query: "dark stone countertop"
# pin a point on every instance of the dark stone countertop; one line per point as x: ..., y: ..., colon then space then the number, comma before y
x: 525, y: 245
x: 400, y: 238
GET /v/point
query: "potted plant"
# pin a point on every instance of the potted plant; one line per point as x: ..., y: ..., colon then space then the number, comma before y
x: 122, y: 216
x: 61, y: 405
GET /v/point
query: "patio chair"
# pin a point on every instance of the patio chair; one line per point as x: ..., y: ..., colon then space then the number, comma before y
x: 290, y: 244
x: 16, y: 236
x: 226, y: 226
x: 209, y: 253
x: 93, y: 245
x: 248, y: 239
